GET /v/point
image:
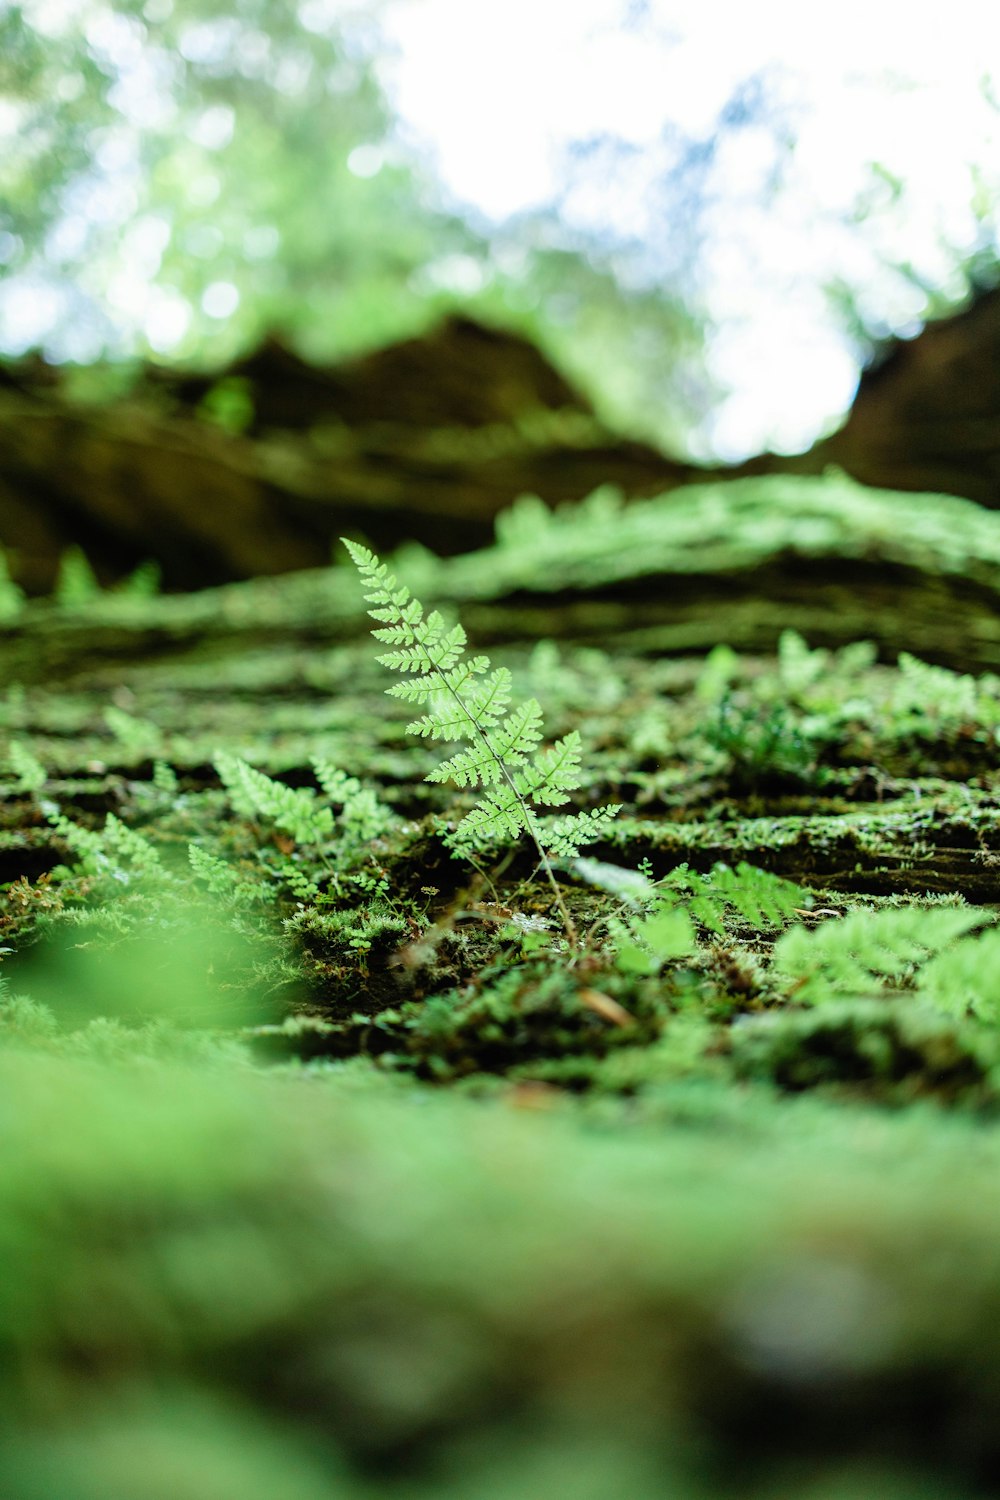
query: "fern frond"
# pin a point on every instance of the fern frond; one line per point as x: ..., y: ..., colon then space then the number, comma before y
x: 555, y: 772
x: 426, y: 649
x: 467, y: 701
x: 965, y: 979
x: 500, y: 815
x: 30, y: 774
x: 363, y: 817
x: 519, y: 734
x: 566, y: 836
x: 490, y: 700
x: 165, y: 778
x: 934, y: 692
x: 137, y: 736
x: 128, y: 842
x: 415, y: 690
x: 495, y: 754
x: 103, y: 853
x: 255, y: 794
x: 219, y: 876
x: 336, y: 783
x: 759, y: 898
x: 687, y: 900
x: 483, y: 706
x: 372, y: 570
x: 477, y: 766
x: 868, y: 950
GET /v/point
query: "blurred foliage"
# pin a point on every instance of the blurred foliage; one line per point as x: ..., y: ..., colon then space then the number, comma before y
x: 206, y: 149
x: 181, y: 179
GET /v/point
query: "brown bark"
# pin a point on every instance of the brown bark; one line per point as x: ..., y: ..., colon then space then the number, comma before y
x: 429, y: 440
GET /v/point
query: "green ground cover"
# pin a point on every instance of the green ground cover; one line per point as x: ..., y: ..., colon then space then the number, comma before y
x: 335, y: 1162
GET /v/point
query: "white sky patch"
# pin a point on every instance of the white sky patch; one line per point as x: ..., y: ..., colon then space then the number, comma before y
x: 167, y: 319
x: 220, y: 299
x: 497, y: 92
x: 453, y: 273
x: 214, y: 127
x: 28, y: 309
x: 366, y: 161
x: 54, y: 18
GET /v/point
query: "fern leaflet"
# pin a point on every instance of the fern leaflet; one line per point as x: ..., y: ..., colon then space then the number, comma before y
x: 965, y: 978
x: 686, y: 900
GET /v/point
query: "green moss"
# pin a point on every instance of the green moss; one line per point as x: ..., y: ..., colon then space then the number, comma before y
x: 367, y: 1174
x: 374, y: 1279
x: 895, y: 1051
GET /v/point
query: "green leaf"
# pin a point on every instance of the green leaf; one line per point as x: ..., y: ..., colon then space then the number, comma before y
x: 666, y: 934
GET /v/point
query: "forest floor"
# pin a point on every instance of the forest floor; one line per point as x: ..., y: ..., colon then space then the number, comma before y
x: 337, y: 1164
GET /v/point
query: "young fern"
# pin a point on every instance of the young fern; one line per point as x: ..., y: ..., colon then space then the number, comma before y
x: 756, y: 897
x: 465, y: 699
x: 676, y: 906
x: 254, y: 794
x: 867, y: 951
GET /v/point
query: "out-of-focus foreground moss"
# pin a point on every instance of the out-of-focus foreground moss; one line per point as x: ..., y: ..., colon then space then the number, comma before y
x: 216, y: 1282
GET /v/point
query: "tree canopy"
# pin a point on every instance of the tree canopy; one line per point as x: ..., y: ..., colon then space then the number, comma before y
x: 179, y: 178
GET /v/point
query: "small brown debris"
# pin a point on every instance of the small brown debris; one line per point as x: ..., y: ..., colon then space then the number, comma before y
x: 602, y: 1005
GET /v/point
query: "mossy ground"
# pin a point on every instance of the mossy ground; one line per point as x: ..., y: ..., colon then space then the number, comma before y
x: 332, y: 1167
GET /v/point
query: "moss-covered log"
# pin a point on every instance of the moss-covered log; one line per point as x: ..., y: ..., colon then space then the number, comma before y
x: 735, y: 563
x: 256, y: 469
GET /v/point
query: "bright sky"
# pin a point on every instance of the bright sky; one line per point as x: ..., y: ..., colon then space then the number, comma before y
x: 498, y: 90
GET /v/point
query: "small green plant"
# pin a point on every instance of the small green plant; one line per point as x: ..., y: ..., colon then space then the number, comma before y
x: 142, y: 583
x: 11, y: 597
x: 229, y: 404
x: 138, y: 737
x: 468, y: 700
x: 746, y: 894
x: 298, y: 810
x: 930, y: 694
x: 254, y: 794
x: 865, y: 952
x: 965, y: 979
x: 165, y: 778
x: 30, y: 775
x: 684, y: 901
x: 338, y: 844
x: 115, y: 850
x: 76, y: 582
x: 760, y: 739
x: 362, y: 816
